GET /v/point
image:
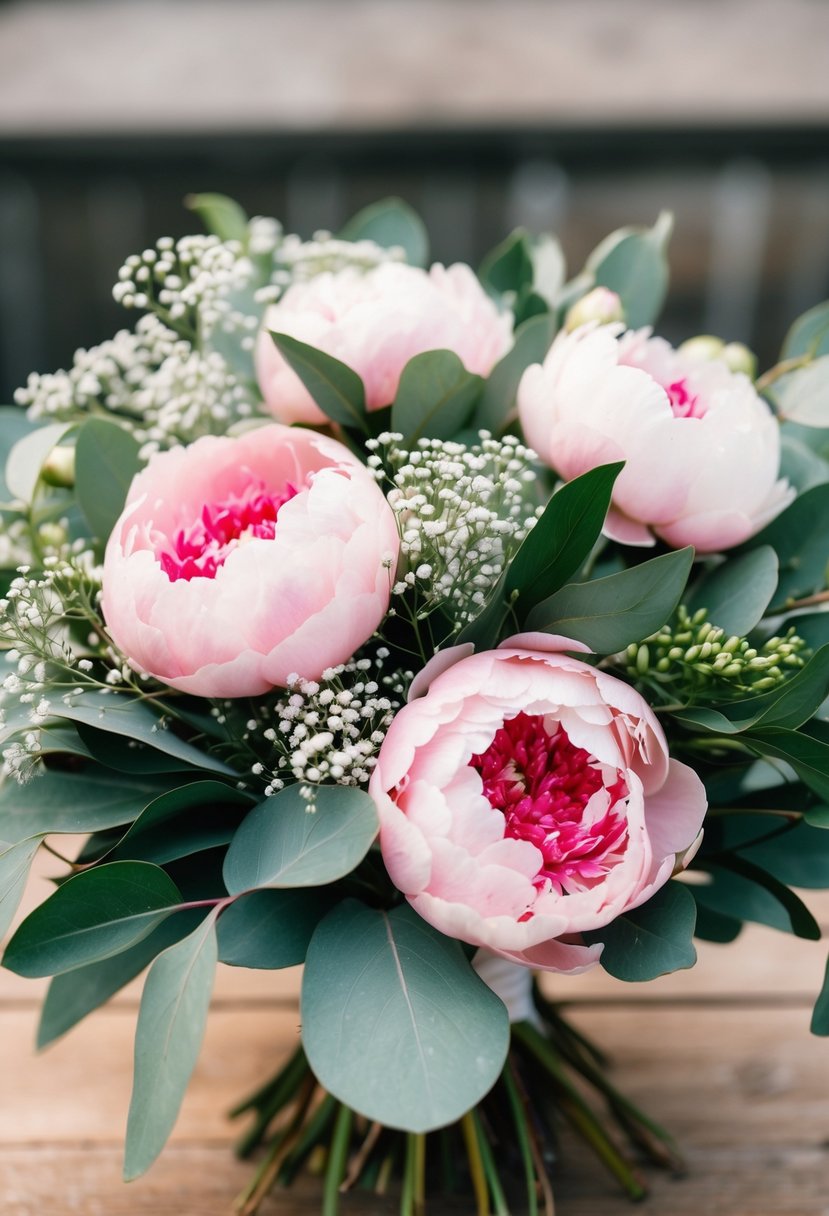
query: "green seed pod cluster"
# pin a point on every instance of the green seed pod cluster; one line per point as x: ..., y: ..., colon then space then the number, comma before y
x: 690, y: 656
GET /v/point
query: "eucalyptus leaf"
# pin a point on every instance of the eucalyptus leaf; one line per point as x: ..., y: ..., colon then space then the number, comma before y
x: 125, y: 715
x: 391, y: 223
x: 287, y: 841
x: 270, y: 929
x: 395, y: 1022
x: 745, y: 891
x: 171, y: 1024
x: 802, y: 395
x: 820, y: 1014
x: 797, y: 857
x: 808, y: 756
x: 183, y: 821
x: 509, y: 266
x: 75, y: 994
x: 435, y: 397
x: 72, y: 802
x: 221, y: 216
x: 607, y: 614
x: 15, y: 863
x: 337, y: 390
x: 632, y: 262
x: 28, y: 456
x: 531, y: 342
x: 737, y: 592
x: 91, y: 916
x: 14, y: 425
x: 800, y: 465
x: 562, y: 538
x: 651, y: 940
x: 798, y: 536
x: 715, y: 926
x: 106, y: 461
x: 809, y: 335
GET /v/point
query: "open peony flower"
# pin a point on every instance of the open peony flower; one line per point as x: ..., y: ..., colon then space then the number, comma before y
x: 375, y: 322
x: 527, y: 798
x: 702, y: 449
x: 238, y: 562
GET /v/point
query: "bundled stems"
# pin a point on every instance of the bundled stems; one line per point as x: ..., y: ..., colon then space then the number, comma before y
x: 508, y: 1139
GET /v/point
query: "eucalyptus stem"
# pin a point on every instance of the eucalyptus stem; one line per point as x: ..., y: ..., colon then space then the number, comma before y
x: 335, y: 1167
x: 522, y: 1134
x: 499, y: 1200
x: 579, y: 1113
x: 314, y: 1130
x: 476, y: 1165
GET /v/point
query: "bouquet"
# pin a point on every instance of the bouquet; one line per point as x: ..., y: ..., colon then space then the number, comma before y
x: 436, y: 630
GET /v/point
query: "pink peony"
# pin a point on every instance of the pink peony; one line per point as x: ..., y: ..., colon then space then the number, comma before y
x: 702, y: 449
x: 527, y: 798
x: 375, y: 323
x: 237, y: 562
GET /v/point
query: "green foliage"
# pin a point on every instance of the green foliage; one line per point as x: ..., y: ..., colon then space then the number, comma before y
x: 532, y: 340
x: 75, y: 994
x: 15, y: 863
x: 270, y: 929
x: 798, y: 537
x: 93, y: 915
x: 14, y: 425
x: 744, y: 891
x: 106, y: 460
x: 171, y: 1025
x: 562, y: 538
x: 509, y: 266
x: 391, y: 223
x: 221, y: 216
x: 809, y: 335
x: 72, y: 802
x: 435, y: 397
x: 802, y: 395
x: 820, y: 1016
x: 737, y: 592
x: 337, y: 390
x: 633, y: 263
x: 651, y: 940
x: 295, y: 841
x: 194, y: 817
x: 26, y: 458
x: 395, y: 1021
x: 607, y: 614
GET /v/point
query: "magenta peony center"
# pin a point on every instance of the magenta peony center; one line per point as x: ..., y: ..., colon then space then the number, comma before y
x: 202, y: 547
x: 543, y: 785
x: 683, y: 402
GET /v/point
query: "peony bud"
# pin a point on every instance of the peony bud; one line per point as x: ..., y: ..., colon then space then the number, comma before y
x: 59, y: 467
x: 703, y: 347
x: 739, y: 358
x: 601, y: 304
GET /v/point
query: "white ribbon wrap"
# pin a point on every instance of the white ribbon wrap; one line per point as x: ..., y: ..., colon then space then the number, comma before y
x: 511, y: 982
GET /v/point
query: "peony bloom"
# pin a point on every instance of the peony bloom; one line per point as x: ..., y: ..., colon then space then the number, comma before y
x: 702, y: 449
x: 237, y: 562
x: 527, y: 798
x: 375, y: 322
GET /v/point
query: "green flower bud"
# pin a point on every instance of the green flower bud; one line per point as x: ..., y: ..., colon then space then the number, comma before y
x: 739, y: 358
x: 59, y: 467
x: 601, y: 304
x: 704, y: 347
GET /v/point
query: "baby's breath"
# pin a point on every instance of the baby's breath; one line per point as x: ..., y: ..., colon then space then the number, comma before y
x: 462, y: 512
x: 325, y: 731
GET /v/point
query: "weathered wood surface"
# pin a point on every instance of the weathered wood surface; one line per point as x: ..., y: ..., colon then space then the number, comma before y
x: 722, y: 1055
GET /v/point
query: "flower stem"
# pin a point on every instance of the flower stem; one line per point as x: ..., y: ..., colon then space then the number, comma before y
x: 335, y: 1167
x: 494, y: 1182
x: 522, y: 1133
x: 476, y: 1165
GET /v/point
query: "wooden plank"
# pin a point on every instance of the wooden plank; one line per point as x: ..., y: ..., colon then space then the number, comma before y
x: 194, y: 1180
x: 716, y: 1077
x: 152, y: 67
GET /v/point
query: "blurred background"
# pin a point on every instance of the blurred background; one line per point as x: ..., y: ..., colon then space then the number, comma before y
x: 576, y: 116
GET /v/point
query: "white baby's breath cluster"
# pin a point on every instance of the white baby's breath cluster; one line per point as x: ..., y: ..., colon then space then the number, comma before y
x: 326, y: 731
x: 297, y: 261
x: 152, y: 380
x: 462, y: 513
x: 190, y: 284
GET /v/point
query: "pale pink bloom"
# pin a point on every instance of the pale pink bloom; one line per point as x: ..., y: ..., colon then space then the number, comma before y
x: 375, y: 322
x: 702, y: 449
x: 527, y: 798
x: 238, y: 562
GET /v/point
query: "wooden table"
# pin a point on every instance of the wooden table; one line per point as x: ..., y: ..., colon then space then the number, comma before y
x: 721, y: 1055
